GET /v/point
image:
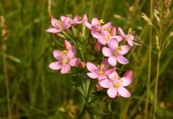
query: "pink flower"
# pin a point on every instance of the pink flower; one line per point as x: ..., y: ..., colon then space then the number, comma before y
x: 116, y: 84
x: 96, y: 29
x: 78, y: 20
x: 99, y: 72
x: 115, y: 53
x: 108, y: 36
x: 129, y: 37
x: 65, y: 60
x: 59, y: 25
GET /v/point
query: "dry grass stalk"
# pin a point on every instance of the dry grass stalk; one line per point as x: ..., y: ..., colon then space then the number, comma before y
x: 144, y: 16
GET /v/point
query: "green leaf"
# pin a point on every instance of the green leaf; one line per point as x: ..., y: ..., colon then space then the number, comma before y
x: 95, y: 110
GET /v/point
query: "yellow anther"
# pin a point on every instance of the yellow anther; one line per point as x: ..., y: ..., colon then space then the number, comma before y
x: 117, y: 85
x: 102, y: 66
x: 64, y: 61
x: 107, y: 37
x: 100, y: 72
x: 64, y: 52
x: 120, y: 48
x: 102, y: 21
x: 114, y: 53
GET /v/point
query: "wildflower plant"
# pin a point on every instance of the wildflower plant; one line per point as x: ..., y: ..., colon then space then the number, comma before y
x: 90, y: 53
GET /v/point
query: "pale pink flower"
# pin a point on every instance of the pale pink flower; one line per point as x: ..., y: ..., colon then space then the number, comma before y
x: 59, y: 25
x: 108, y: 36
x: 115, y: 53
x: 100, y: 72
x: 77, y: 20
x: 65, y: 60
x: 96, y: 29
x: 128, y: 37
x: 116, y: 85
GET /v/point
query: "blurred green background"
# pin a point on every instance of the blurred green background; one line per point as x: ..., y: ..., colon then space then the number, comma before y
x: 37, y: 92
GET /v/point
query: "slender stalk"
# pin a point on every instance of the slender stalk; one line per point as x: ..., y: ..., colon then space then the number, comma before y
x: 156, y: 85
x: 158, y: 43
x: 4, y: 34
x: 149, y: 62
x: 7, y: 88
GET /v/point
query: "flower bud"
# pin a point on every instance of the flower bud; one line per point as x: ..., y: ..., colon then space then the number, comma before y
x: 67, y: 44
x: 98, y: 87
x: 82, y: 64
x: 97, y: 46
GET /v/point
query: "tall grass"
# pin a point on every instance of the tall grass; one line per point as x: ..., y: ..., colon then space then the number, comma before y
x: 29, y: 89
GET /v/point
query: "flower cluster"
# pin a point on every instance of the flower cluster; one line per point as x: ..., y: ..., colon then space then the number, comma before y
x: 111, y: 42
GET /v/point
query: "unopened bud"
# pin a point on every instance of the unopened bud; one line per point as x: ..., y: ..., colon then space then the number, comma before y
x: 98, y: 87
x: 97, y: 46
x: 82, y: 64
x: 90, y: 41
x: 67, y: 44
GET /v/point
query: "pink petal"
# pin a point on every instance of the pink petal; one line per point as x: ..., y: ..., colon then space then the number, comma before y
x: 63, y: 18
x: 113, y: 44
x: 107, y: 25
x: 52, y: 30
x: 130, y: 42
x: 105, y: 83
x: 65, y: 69
x: 84, y: 18
x: 127, y: 78
x: 105, y: 63
x: 121, y: 32
x: 92, y: 75
x: 91, y: 67
x: 118, y: 38
x: 113, y: 31
x: 66, y: 23
x: 88, y: 25
x: 102, y: 41
x: 112, y: 60
x: 53, y: 22
x: 95, y: 21
x: 71, y: 52
x: 112, y: 92
x: 102, y: 77
x: 56, y: 54
x: 122, y: 60
x: 124, y: 92
x: 55, y: 65
x: 106, y: 51
x: 74, y: 61
x: 109, y: 71
x: 124, y: 49
x: 113, y: 75
x: 67, y: 44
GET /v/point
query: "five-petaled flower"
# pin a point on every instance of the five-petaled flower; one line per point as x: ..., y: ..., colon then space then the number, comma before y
x: 116, y: 84
x: 100, y: 72
x: 59, y: 25
x: 115, y: 53
x: 65, y: 60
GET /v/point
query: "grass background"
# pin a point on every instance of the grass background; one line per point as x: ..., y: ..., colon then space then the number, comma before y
x: 37, y: 92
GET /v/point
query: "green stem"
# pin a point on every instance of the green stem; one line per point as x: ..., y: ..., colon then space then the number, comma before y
x: 156, y: 85
x: 7, y: 88
x: 149, y: 62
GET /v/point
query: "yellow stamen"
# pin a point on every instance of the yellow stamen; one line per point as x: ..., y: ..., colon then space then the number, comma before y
x: 117, y: 85
x: 64, y: 52
x: 102, y: 66
x: 114, y: 53
x: 64, y: 61
x: 107, y: 37
x: 120, y: 48
x: 102, y: 21
x: 100, y: 73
